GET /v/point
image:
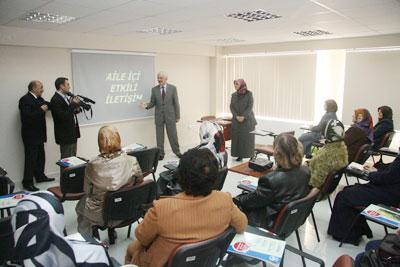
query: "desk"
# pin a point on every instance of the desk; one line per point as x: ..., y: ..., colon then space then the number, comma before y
x: 226, y: 124
x: 10, y: 201
x: 245, y: 170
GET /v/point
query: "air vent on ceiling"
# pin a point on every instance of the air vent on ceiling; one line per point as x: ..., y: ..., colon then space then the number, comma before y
x: 312, y: 33
x: 36, y: 16
x: 229, y: 40
x: 160, y: 30
x: 251, y: 16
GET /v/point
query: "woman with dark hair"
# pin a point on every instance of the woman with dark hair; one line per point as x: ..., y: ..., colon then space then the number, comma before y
x: 243, y: 121
x: 287, y: 183
x: 109, y: 171
x: 307, y: 139
x: 197, y: 214
x: 360, y: 133
x: 384, y: 125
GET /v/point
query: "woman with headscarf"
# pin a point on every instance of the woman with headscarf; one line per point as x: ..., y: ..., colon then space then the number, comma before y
x: 360, y: 133
x: 331, y: 157
x: 212, y: 138
x: 243, y: 121
x: 384, y: 125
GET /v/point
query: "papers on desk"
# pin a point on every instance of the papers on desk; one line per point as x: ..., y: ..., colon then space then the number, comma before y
x: 267, y: 249
x: 11, y: 200
x: 261, y: 132
x: 383, y: 215
x: 249, y: 183
x: 355, y: 166
x: 133, y: 147
x: 71, y: 162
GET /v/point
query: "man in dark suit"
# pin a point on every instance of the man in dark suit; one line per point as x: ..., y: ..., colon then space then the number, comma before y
x: 33, y: 110
x: 164, y: 97
x: 64, y: 109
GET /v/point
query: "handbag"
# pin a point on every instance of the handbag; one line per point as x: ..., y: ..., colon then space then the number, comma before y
x: 387, y: 254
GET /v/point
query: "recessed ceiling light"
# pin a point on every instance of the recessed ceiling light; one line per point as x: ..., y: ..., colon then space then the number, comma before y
x: 160, y: 30
x: 312, y: 33
x: 229, y: 40
x: 251, y: 16
x: 37, y: 16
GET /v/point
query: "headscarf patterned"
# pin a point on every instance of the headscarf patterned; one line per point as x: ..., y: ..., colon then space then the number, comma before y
x: 242, y: 86
x: 366, y: 125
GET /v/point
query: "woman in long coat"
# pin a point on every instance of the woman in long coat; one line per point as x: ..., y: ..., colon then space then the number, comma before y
x: 243, y: 121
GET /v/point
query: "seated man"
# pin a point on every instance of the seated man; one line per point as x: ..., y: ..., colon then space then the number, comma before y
x: 274, y: 190
x: 197, y: 214
x: 109, y: 171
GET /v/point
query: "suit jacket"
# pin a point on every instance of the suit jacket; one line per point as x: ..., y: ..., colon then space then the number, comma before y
x: 33, y: 120
x: 66, y: 131
x: 274, y: 190
x: 181, y: 219
x: 167, y: 110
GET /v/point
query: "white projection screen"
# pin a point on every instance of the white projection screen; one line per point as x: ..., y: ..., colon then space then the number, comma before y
x: 117, y: 81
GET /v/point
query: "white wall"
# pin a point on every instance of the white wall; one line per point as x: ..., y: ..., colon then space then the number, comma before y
x: 20, y: 64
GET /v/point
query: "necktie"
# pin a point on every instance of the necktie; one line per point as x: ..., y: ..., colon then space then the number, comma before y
x: 163, y: 92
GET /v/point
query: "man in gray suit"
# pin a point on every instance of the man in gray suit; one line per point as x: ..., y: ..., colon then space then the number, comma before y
x: 164, y: 97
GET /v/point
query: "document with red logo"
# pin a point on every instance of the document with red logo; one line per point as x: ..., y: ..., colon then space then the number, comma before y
x: 11, y: 200
x: 386, y: 215
x: 267, y: 249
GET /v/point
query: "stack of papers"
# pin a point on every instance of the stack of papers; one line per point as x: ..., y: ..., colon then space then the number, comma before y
x: 133, y: 147
x: 71, y: 162
x: 11, y: 200
x: 249, y: 183
x: 355, y: 166
x: 267, y: 249
x: 382, y: 214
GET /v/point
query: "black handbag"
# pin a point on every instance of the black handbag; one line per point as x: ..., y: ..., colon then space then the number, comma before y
x: 387, y: 255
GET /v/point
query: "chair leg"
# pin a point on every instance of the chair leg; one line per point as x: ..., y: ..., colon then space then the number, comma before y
x: 129, y: 231
x: 2, y: 213
x: 301, y: 249
x: 8, y: 212
x: 330, y: 203
x: 315, y: 225
x: 347, y: 180
x: 386, y: 231
x: 358, y: 180
x: 95, y: 232
x: 111, y: 236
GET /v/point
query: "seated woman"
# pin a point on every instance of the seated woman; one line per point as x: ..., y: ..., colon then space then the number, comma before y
x: 109, y: 171
x: 383, y: 188
x: 197, y: 214
x: 331, y: 157
x: 275, y: 189
x: 360, y: 133
x: 307, y: 139
x: 384, y: 125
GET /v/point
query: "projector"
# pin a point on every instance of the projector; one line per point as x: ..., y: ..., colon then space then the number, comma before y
x: 260, y: 164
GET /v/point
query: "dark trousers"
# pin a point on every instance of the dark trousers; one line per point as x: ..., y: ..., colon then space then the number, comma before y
x: 34, y: 163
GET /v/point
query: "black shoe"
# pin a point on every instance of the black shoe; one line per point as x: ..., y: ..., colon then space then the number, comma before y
x: 45, y: 179
x: 161, y: 157
x: 179, y: 155
x: 239, y: 159
x: 30, y: 188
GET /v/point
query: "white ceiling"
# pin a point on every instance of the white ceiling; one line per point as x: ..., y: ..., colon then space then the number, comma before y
x: 204, y: 21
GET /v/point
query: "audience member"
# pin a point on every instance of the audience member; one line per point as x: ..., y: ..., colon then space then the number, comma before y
x: 243, y: 121
x: 360, y: 133
x: 212, y: 138
x: 197, y: 214
x: 384, y: 125
x: 109, y: 171
x: 287, y: 183
x: 383, y: 188
x: 307, y: 139
x: 331, y: 157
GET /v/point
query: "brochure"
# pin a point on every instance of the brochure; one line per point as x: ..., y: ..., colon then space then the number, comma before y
x: 390, y: 216
x: 71, y: 162
x: 11, y: 200
x: 249, y: 183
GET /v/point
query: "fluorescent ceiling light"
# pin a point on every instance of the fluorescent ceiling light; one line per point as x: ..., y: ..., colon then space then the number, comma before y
x: 312, y: 33
x: 37, y: 16
x: 374, y: 49
x: 251, y: 16
x: 272, y: 54
x: 229, y: 40
x: 160, y: 30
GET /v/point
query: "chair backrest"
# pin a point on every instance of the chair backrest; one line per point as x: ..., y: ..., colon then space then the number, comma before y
x: 147, y: 158
x: 71, y: 180
x: 294, y: 214
x: 219, y: 183
x: 387, y: 139
x: 363, y: 154
x: 7, y: 239
x: 127, y: 202
x: 208, y: 118
x: 6, y: 185
x: 204, y: 253
x: 344, y: 261
x: 331, y: 182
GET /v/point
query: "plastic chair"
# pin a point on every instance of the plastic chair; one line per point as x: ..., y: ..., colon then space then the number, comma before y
x: 147, y: 159
x: 126, y: 205
x: 71, y: 184
x: 219, y: 183
x: 6, y: 187
x: 293, y: 215
x: 360, y: 158
x: 204, y: 253
x: 268, y: 149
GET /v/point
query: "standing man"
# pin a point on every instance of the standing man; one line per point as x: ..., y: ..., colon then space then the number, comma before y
x: 33, y: 110
x: 164, y: 97
x: 64, y: 109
